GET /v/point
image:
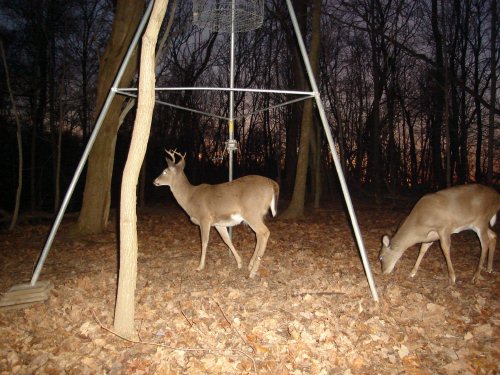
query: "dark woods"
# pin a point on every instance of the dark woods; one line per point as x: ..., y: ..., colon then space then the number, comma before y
x: 409, y: 88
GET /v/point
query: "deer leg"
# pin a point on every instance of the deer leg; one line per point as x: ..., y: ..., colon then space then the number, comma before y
x: 205, y: 233
x: 423, y: 249
x: 493, y: 241
x: 255, y: 255
x: 225, y: 237
x: 262, y: 234
x: 484, y: 238
x: 257, y: 247
x: 445, y: 241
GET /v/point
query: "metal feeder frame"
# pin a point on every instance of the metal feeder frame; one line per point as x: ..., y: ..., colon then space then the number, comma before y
x: 236, y: 22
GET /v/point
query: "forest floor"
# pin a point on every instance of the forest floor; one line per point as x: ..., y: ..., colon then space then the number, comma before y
x: 308, y: 311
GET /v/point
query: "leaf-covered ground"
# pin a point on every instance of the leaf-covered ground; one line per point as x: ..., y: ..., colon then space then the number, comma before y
x: 309, y: 311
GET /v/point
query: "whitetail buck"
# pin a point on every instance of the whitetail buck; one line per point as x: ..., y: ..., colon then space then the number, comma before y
x: 246, y: 199
x: 436, y: 216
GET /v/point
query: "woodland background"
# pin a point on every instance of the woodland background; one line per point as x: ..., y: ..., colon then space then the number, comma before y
x: 409, y: 88
x: 410, y: 92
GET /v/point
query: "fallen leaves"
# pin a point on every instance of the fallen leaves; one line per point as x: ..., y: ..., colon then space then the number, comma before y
x: 309, y: 311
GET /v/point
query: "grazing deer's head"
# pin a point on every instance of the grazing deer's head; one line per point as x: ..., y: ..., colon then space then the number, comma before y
x: 388, y: 256
x: 173, y: 170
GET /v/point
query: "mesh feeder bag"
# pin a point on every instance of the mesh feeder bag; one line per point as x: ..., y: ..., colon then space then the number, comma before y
x: 216, y: 15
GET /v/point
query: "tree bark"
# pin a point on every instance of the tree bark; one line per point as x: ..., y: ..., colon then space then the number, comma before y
x: 15, y: 214
x: 463, y: 157
x: 51, y: 74
x: 477, y: 103
x: 299, y: 83
x: 493, y: 72
x: 437, y: 115
x: 125, y: 303
x: 39, y: 115
x: 296, y: 208
x: 380, y: 59
x: 446, y: 124
x: 94, y: 214
x: 130, y: 103
x: 316, y: 162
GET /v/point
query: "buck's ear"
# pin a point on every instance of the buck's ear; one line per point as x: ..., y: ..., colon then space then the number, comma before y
x: 386, y: 241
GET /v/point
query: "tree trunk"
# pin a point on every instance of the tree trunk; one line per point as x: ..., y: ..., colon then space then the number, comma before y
x: 130, y: 102
x: 38, y: 116
x: 97, y: 194
x: 477, y: 103
x: 15, y: 214
x: 446, y: 123
x: 52, y: 110
x: 316, y: 163
x: 125, y: 303
x: 413, y: 150
x: 379, y: 65
x: 62, y: 78
x: 340, y: 129
x: 296, y: 208
x: 393, y: 157
x: 493, y: 72
x: 463, y: 156
x: 292, y: 126
x: 437, y: 115
x: 360, y: 138
x: 142, y: 184
x: 57, y: 178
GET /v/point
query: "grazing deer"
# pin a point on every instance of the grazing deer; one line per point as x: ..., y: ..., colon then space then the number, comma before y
x: 436, y: 216
x: 224, y: 205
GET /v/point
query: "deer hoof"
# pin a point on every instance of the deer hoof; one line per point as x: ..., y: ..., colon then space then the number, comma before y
x: 476, y: 278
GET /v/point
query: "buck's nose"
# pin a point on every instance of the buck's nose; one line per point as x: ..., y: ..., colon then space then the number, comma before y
x: 156, y: 183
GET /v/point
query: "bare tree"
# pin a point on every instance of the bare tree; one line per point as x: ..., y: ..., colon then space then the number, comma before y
x: 94, y: 214
x: 296, y: 207
x: 493, y: 85
x: 15, y: 214
x: 125, y: 302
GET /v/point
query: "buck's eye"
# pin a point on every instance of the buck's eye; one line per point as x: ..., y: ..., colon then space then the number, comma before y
x: 164, y: 172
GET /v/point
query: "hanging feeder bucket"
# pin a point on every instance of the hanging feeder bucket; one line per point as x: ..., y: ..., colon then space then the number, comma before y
x: 228, y: 15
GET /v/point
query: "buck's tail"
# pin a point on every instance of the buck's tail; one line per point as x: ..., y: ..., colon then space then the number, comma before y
x: 274, y: 201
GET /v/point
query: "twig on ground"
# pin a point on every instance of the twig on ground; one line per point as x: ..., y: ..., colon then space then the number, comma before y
x: 233, y: 328
x: 191, y: 324
x: 208, y: 350
x: 302, y: 294
x: 139, y: 331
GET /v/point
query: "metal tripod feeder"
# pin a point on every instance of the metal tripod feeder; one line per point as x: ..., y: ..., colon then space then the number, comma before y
x: 219, y: 15
x: 22, y: 295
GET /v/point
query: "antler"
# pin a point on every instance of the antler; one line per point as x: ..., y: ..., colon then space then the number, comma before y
x: 172, y: 153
